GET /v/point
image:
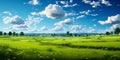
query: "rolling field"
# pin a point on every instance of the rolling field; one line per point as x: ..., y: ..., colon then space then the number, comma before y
x: 60, y: 48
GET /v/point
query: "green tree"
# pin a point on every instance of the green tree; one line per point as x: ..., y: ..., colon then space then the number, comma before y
x: 108, y: 33
x: 1, y: 33
x: 21, y: 33
x: 117, y: 30
x: 5, y: 33
x: 14, y: 33
x: 10, y: 33
x: 67, y: 33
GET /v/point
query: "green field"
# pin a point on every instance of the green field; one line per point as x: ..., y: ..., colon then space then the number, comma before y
x: 60, y: 48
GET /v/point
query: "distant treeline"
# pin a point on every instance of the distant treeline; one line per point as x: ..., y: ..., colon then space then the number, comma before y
x: 67, y: 34
x: 11, y: 33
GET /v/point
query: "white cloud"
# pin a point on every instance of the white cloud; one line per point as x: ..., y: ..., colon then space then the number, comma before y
x: 34, y: 13
x: 34, y: 2
x: 115, y: 26
x: 81, y: 16
x: 107, y: 3
x: 72, y: 5
x: 23, y: 27
x: 76, y: 28
x: 71, y: 1
x: 43, y: 28
x: 111, y: 20
x: 34, y: 19
x: 63, y: 2
x: 94, y: 14
x: 85, y: 12
x: 71, y: 14
x: 13, y: 20
x: 53, y: 11
x: 58, y: 28
x: 91, y: 30
x: 93, y: 3
x: 7, y: 12
x: 66, y: 21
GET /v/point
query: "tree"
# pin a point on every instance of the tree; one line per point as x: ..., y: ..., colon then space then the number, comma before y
x: 21, y: 33
x: 10, y: 33
x: 67, y: 33
x: 5, y: 33
x: 1, y: 33
x: 107, y: 33
x: 117, y: 30
x: 14, y: 33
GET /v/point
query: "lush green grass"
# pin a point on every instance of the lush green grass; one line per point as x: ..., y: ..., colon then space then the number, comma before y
x: 60, y: 48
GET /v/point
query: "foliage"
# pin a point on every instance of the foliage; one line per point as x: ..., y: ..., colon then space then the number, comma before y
x: 117, y: 30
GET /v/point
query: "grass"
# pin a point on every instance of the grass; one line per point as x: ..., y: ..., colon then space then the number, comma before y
x: 59, y: 48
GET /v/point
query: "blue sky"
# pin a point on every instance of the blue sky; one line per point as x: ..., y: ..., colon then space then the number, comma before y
x: 59, y: 16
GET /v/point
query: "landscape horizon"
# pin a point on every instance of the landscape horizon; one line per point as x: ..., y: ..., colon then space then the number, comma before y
x: 59, y: 29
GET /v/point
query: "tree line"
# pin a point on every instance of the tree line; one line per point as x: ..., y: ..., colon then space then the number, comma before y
x: 11, y: 33
x: 116, y: 31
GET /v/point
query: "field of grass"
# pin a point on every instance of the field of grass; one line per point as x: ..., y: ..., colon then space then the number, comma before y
x: 59, y: 48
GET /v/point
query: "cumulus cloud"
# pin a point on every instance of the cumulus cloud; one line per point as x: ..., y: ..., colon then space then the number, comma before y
x: 115, y: 26
x: 111, y: 20
x: 34, y: 2
x: 43, y: 28
x: 19, y: 27
x: 107, y: 3
x: 66, y: 21
x: 53, y: 11
x: 13, y: 20
x: 94, y: 4
x: 76, y: 28
x: 58, y: 28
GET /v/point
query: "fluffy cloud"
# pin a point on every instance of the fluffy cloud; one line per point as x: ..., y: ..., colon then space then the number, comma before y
x: 58, y: 28
x: 71, y: 14
x: 93, y: 3
x: 115, y: 26
x: 111, y: 20
x: 85, y: 12
x: 72, y: 5
x: 66, y: 21
x: 19, y: 27
x: 34, y: 2
x: 43, y: 28
x: 71, y: 1
x: 67, y: 4
x: 76, y: 28
x: 107, y: 3
x: 53, y: 11
x: 34, y: 19
x: 13, y: 20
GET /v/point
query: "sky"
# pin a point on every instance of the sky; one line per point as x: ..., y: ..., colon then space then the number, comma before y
x: 59, y: 16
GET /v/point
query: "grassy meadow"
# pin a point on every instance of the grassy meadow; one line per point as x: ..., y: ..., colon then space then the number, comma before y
x: 60, y: 48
